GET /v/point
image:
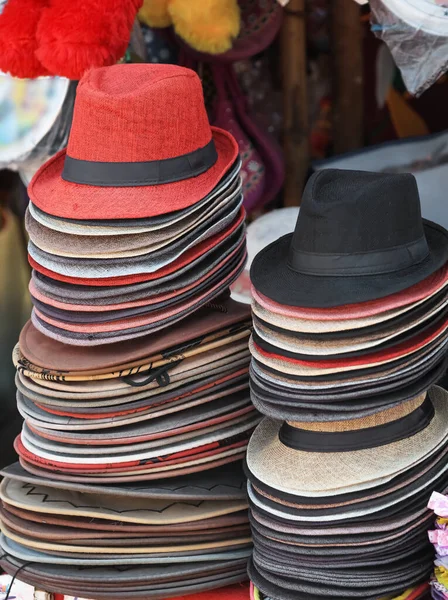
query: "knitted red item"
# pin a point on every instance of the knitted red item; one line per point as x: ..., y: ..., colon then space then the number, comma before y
x: 76, y: 36
x: 18, y: 25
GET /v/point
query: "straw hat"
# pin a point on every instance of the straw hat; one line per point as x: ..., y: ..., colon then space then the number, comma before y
x: 356, y: 459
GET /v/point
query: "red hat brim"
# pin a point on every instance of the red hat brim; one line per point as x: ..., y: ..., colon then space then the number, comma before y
x: 60, y: 198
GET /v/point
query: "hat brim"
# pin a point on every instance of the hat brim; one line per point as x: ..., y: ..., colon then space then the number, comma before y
x: 150, y: 301
x: 175, y: 424
x: 223, y: 484
x: 181, y: 299
x: 308, y: 409
x: 112, y: 479
x: 107, y: 358
x: 271, y: 275
x: 125, y: 245
x: 136, y: 327
x: 115, y: 455
x: 289, y: 345
x: 319, y: 592
x: 151, y: 262
x: 177, y: 267
x: 184, y: 276
x: 290, y: 470
x: 49, y: 192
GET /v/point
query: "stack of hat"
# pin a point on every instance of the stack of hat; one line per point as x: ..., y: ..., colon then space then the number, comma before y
x: 156, y: 404
x: 350, y: 333
x: 173, y: 538
x: 130, y: 481
x: 172, y: 403
x: 139, y: 222
x: 439, y: 537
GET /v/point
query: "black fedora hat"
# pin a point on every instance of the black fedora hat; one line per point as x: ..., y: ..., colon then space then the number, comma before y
x: 359, y: 237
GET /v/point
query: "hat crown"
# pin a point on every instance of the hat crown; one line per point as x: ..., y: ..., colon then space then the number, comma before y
x: 138, y: 113
x: 345, y: 212
x: 354, y: 220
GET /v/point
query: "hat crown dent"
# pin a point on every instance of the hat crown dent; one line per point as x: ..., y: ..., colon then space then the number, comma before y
x: 138, y: 113
x: 349, y: 212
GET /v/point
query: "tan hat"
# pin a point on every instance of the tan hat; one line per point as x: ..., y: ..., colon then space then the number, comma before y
x: 384, y: 451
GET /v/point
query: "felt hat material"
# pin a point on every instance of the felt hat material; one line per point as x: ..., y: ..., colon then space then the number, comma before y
x: 376, y: 262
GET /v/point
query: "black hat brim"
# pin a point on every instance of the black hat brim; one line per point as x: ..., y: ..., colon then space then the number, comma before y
x: 272, y: 277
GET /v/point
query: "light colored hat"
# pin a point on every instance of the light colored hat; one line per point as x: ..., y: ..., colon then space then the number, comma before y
x: 306, y: 368
x: 304, y: 344
x: 146, y: 263
x: 260, y: 233
x: 309, y: 473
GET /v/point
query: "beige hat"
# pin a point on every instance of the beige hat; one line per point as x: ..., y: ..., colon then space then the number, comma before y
x: 316, y: 473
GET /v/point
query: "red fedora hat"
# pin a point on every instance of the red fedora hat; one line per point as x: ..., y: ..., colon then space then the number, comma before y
x: 140, y: 146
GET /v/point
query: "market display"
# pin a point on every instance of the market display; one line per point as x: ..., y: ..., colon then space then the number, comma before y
x: 132, y: 374
x: 349, y: 335
x: 207, y: 417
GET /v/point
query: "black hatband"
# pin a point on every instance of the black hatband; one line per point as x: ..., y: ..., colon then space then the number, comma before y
x: 361, y: 439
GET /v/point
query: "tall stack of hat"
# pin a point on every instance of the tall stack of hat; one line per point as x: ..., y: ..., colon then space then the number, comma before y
x: 150, y: 541
x: 136, y: 233
x: 350, y: 333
